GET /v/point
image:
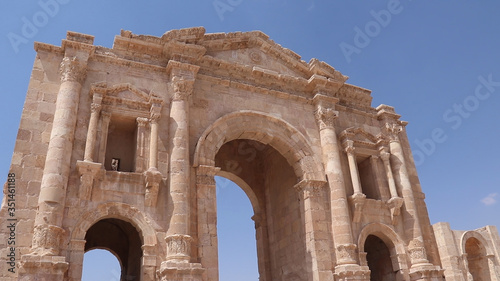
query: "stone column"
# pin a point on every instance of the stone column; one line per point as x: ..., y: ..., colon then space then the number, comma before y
x: 105, y: 117
x: 353, y: 168
x: 153, y: 176
x: 312, y: 201
x: 44, y: 261
x: 48, y: 232
x: 413, y: 231
x: 342, y: 232
x: 178, y: 265
x: 395, y: 202
x: 87, y: 169
x: 207, y: 221
x: 179, y: 168
x: 95, y: 110
x: 141, y: 143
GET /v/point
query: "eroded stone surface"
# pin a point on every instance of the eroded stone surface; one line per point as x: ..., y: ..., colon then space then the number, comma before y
x: 125, y: 142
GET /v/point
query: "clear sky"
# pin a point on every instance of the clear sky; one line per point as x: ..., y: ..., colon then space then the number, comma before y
x: 436, y: 62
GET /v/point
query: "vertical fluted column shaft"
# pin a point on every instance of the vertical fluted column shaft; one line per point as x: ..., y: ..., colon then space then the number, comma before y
x: 341, y: 229
x: 412, y: 222
x: 95, y: 110
x: 48, y: 221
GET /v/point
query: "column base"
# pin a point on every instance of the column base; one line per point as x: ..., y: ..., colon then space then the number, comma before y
x: 174, y: 271
x: 426, y: 272
x: 32, y: 267
x: 347, y: 272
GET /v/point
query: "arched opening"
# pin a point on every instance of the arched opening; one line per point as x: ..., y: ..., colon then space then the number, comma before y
x: 477, y: 260
x: 379, y: 259
x: 120, y: 238
x: 236, y: 233
x: 268, y: 180
x: 102, y: 265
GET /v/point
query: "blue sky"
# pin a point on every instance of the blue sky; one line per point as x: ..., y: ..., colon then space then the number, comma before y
x: 436, y: 62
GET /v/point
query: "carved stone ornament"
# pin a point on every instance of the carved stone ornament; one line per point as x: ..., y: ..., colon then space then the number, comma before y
x: 155, y: 113
x: 47, y: 240
x: 178, y: 247
x: 393, y: 130
x: 153, y: 179
x: 310, y: 188
x: 182, y: 89
x: 141, y: 121
x: 95, y: 107
x: 326, y: 117
x: 416, y: 251
x: 346, y: 254
x: 72, y: 69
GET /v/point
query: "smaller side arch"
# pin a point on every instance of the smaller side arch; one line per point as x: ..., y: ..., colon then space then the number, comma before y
x: 384, y: 232
x: 391, y: 239
x: 115, y: 210
x: 478, y: 236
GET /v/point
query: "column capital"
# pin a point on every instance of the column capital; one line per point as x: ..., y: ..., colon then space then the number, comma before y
x: 141, y: 121
x: 155, y: 113
x: 349, y: 147
x: 325, y: 117
x: 73, y: 69
x: 392, y: 130
x: 182, y: 88
x: 47, y: 240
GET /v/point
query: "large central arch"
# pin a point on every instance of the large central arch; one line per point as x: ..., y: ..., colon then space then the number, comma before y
x: 279, y: 144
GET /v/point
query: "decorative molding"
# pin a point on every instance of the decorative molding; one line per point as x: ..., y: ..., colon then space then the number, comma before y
x: 310, y: 188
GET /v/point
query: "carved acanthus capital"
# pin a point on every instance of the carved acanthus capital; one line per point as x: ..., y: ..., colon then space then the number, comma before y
x: 182, y: 89
x: 47, y: 240
x: 72, y: 69
x: 155, y: 113
x: 346, y: 253
x: 326, y: 117
x: 178, y: 247
x: 393, y: 130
